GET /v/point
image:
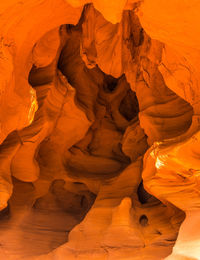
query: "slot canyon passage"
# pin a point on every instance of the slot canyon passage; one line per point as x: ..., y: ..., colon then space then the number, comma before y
x: 99, y: 129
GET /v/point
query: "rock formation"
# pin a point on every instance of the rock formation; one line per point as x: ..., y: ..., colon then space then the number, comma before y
x: 99, y: 144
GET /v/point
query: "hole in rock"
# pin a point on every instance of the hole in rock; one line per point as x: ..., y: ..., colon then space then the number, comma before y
x: 143, y: 220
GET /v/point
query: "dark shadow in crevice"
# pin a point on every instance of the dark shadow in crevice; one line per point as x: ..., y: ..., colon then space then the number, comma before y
x: 143, y: 195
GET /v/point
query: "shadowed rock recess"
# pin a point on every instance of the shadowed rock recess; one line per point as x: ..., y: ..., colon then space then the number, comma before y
x: 99, y: 130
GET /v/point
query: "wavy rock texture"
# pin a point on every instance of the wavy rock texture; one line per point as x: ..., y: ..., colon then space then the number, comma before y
x: 99, y: 129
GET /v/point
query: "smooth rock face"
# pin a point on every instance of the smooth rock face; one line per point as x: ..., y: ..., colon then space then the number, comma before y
x: 99, y: 130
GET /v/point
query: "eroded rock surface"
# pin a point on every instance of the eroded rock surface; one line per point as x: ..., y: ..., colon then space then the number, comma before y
x: 99, y: 124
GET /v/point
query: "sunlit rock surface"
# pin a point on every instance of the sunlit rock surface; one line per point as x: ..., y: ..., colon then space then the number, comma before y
x: 99, y: 129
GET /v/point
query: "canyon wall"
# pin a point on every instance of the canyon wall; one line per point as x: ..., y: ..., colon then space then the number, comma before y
x: 99, y: 129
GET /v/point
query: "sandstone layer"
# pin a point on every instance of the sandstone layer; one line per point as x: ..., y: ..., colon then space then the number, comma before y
x: 99, y: 130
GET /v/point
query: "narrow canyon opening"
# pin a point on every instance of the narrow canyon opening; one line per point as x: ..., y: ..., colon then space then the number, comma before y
x: 97, y: 172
